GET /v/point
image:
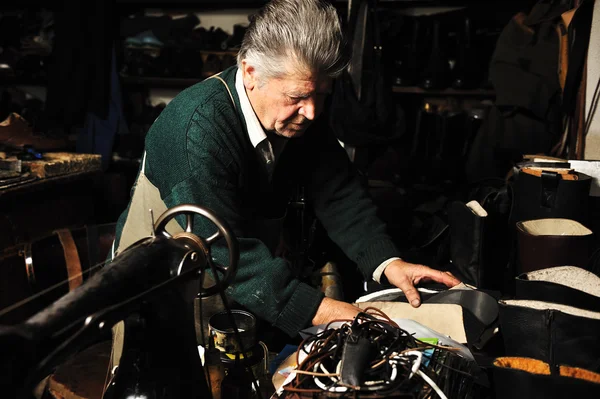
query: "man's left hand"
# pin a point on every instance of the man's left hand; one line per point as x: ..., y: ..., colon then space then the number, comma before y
x: 406, y: 275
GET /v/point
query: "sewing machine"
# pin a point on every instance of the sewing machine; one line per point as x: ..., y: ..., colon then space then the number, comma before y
x: 151, y: 286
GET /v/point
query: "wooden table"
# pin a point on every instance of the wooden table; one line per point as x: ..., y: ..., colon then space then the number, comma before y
x: 62, y: 195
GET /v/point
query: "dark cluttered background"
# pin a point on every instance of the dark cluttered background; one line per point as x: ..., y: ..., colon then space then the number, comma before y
x: 93, y: 80
x: 442, y: 104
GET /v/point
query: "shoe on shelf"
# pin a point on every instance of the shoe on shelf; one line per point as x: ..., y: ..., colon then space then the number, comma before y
x: 144, y: 39
x: 16, y: 134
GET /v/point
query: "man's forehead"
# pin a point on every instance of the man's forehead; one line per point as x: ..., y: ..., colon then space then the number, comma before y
x: 305, y: 83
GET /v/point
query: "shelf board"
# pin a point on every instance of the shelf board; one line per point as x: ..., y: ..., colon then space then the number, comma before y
x: 443, y: 92
x: 153, y: 49
x: 18, y: 81
x: 160, y: 82
x: 186, y: 82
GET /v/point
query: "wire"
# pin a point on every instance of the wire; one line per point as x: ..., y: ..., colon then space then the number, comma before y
x: 48, y: 290
x: 432, y: 384
x: 317, y: 374
x: 394, y: 357
x: 331, y: 388
x: 417, y: 364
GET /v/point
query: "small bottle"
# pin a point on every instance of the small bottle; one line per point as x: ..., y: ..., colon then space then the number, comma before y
x: 215, y: 368
x: 237, y: 383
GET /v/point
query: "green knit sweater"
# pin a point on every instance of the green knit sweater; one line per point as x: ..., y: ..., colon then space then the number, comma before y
x: 198, y: 151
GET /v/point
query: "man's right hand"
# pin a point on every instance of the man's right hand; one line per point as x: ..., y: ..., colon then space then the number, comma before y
x: 330, y: 310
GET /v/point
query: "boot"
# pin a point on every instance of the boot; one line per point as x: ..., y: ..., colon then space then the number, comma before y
x: 567, y: 285
x: 551, y: 196
x: 406, y: 66
x: 519, y: 377
x: 478, y: 245
x: 556, y: 334
x: 466, y: 72
x: 467, y: 247
x: 436, y: 73
x: 552, y: 242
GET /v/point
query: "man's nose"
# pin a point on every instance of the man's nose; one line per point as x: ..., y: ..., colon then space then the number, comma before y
x: 308, y: 109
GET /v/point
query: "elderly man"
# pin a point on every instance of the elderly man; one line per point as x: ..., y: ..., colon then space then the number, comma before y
x: 240, y: 142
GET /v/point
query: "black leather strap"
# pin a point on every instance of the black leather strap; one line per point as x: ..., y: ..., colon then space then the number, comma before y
x: 482, y: 305
x: 550, y: 182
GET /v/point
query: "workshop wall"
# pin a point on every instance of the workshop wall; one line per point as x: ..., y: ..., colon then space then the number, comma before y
x: 592, y: 141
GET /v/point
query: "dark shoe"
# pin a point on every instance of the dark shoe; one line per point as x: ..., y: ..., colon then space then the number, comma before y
x: 407, y: 63
x: 518, y: 377
x: 228, y: 60
x: 144, y: 39
x: 567, y: 285
x: 467, y: 241
x: 466, y: 74
x: 436, y: 74
x: 212, y: 65
x: 235, y: 40
x: 544, y: 243
x: 477, y: 245
x: 556, y: 334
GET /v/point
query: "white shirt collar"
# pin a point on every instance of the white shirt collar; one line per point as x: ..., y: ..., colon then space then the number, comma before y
x: 255, y: 130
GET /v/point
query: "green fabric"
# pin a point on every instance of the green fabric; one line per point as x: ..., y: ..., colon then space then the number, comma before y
x: 198, y: 151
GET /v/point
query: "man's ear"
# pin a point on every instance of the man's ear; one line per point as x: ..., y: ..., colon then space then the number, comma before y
x: 249, y: 75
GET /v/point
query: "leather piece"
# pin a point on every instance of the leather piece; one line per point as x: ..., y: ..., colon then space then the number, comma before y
x: 467, y: 242
x: 541, y: 251
x: 72, y: 260
x: 551, y: 335
x: 478, y: 245
x: 562, y: 285
x: 510, y: 383
x: 483, y: 306
x: 355, y: 357
x: 480, y: 313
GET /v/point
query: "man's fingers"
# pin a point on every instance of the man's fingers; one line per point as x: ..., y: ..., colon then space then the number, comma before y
x: 453, y: 277
x: 412, y: 295
x: 449, y: 279
x: 405, y: 275
x: 445, y: 278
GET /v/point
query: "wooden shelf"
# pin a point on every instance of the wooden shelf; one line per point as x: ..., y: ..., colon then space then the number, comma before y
x: 160, y: 82
x: 201, y: 4
x: 186, y: 82
x: 153, y: 49
x: 9, y: 80
x: 443, y: 92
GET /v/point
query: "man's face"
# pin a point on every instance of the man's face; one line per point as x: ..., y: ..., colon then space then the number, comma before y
x: 289, y: 104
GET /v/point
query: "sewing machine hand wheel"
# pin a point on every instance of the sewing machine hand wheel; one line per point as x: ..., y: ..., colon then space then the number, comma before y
x: 203, y: 244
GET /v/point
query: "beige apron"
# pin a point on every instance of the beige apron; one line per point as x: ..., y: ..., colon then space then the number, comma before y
x: 146, y: 206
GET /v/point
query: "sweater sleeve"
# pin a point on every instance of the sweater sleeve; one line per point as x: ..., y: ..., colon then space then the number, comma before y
x: 344, y: 206
x: 264, y: 284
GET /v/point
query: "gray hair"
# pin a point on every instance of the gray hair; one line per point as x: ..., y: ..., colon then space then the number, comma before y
x: 303, y: 34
